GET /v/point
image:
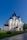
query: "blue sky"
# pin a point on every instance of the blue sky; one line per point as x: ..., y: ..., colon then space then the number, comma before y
x: 7, y: 7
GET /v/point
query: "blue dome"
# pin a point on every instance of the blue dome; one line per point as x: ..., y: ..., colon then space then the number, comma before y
x: 14, y: 14
x: 10, y: 18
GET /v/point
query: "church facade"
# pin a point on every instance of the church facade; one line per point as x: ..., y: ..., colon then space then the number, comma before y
x: 15, y: 23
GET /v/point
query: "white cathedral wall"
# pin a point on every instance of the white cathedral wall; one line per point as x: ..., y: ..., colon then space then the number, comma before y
x: 17, y: 23
x: 6, y: 28
x: 10, y: 24
x: 21, y: 25
x: 13, y: 24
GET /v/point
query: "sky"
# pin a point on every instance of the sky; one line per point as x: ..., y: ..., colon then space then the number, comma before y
x: 7, y: 7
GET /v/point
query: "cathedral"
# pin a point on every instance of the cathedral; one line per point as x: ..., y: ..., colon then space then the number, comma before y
x: 14, y: 23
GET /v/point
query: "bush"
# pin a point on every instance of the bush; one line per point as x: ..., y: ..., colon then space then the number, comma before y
x: 8, y: 32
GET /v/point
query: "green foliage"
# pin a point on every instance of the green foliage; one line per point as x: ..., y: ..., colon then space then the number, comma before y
x: 25, y: 26
x: 7, y: 34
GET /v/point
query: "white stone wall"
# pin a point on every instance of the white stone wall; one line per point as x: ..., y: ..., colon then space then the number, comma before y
x: 6, y: 28
x: 10, y: 24
x: 14, y: 23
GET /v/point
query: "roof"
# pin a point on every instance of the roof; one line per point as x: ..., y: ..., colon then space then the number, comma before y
x: 14, y: 14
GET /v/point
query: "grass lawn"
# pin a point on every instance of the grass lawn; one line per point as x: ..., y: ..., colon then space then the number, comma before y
x: 9, y: 34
